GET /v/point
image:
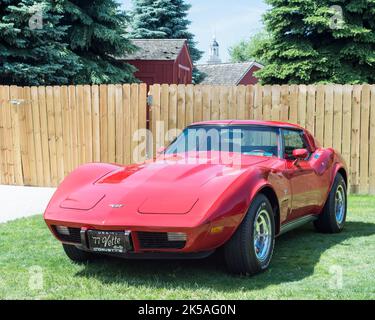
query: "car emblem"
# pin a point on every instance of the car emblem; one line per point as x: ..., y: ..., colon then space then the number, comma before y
x: 116, y: 206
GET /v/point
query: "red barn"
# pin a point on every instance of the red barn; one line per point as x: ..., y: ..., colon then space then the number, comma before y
x: 164, y: 61
x: 230, y: 74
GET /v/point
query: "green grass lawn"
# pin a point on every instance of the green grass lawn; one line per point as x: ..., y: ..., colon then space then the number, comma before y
x: 306, y: 265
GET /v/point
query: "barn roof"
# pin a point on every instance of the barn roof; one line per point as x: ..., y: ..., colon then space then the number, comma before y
x: 156, y: 49
x: 225, y: 73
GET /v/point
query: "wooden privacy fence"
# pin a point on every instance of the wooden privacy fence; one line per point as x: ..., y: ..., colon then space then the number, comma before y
x: 340, y: 116
x: 46, y: 132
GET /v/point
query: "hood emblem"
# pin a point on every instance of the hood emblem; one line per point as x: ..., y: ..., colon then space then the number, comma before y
x: 116, y: 206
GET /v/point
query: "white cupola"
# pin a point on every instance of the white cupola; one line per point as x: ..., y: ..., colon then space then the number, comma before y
x: 214, y: 52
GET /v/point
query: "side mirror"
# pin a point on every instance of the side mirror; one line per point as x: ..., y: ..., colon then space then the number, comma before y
x: 300, y: 154
x: 161, y: 150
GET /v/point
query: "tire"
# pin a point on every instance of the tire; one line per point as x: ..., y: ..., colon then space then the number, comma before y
x: 240, y: 253
x: 76, y: 254
x: 332, y: 220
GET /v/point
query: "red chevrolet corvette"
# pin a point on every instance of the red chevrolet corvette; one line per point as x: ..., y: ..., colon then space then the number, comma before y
x: 234, y: 185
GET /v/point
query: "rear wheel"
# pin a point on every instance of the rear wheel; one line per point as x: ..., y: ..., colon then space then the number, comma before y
x: 76, y: 254
x: 250, y: 249
x: 333, y: 217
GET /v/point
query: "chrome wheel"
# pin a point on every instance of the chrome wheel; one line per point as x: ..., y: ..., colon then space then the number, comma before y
x: 340, y: 203
x: 262, y: 234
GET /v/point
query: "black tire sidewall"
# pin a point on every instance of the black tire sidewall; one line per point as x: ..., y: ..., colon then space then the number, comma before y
x: 339, y: 181
x: 260, y: 203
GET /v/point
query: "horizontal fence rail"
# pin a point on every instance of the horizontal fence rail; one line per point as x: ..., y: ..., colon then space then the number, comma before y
x: 46, y: 132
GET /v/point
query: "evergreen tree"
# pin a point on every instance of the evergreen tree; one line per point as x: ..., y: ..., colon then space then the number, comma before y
x: 32, y: 51
x: 314, y: 41
x: 164, y: 19
x: 97, y: 34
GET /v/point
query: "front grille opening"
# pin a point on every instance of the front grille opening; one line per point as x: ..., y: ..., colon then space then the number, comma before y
x: 160, y: 240
x: 67, y: 234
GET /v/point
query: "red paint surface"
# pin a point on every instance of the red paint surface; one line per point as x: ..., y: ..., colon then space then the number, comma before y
x: 250, y: 78
x: 177, y: 71
x: 175, y: 195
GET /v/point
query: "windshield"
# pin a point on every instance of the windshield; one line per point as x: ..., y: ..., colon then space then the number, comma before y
x: 247, y: 140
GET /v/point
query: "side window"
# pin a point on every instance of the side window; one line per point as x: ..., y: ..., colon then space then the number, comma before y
x: 293, y: 140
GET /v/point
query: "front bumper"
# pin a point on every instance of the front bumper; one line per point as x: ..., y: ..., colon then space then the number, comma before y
x: 147, y: 243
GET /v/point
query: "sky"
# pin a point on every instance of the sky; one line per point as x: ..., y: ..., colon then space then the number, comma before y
x: 231, y: 21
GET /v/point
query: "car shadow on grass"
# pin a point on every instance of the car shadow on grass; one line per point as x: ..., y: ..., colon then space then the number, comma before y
x: 295, y: 257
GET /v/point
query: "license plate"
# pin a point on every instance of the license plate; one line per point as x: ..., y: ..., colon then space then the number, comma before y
x: 107, y: 242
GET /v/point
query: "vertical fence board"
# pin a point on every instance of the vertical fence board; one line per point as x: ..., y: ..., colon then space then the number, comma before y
x: 276, y: 100
x: 164, y: 115
x: 302, y: 103
x: 234, y: 102
x: 240, y: 100
x: 155, y: 113
x: 249, y: 107
x: 258, y: 104
x: 30, y: 130
x: 293, y: 107
x: 364, y: 140
x: 172, y: 123
x: 87, y: 122
x: 223, y: 104
x: 328, y: 116
x: 347, y: 125
x: 319, y: 119
x: 66, y: 125
x: 189, y: 115
x: 142, y: 120
x: 16, y: 112
x: 74, y: 147
x: 81, y: 125
x: 59, y: 133
x: 356, y: 124
x: 310, y: 109
x: 47, y: 177
x: 35, y: 113
x: 337, y: 117
x: 284, y: 103
x: 111, y: 103
x: 95, y: 123
x: 134, y: 99
x: 119, y: 135
x: 127, y: 123
x: 3, y: 169
x: 198, y: 104
x: 372, y: 143
x: 103, y: 108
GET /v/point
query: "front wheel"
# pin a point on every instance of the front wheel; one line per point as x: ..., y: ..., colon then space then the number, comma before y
x: 333, y: 217
x: 250, y: 249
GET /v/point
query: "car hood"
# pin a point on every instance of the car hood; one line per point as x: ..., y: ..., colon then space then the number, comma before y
x: 169, y: 185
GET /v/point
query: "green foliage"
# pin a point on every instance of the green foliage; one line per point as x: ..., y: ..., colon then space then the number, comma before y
x: 75, y: 42
x: 164, y: 19
x: 97, y: 34
x: 247, y: 50
x: 30, y: 55
x: 311, y: 42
